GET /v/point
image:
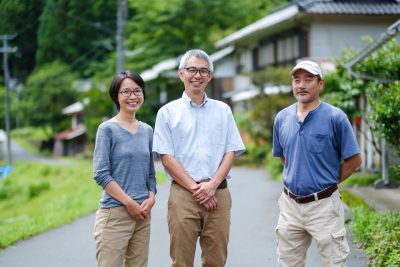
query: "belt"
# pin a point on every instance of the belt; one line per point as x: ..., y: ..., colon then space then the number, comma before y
x: 327, y: 192
x: 222, y: 185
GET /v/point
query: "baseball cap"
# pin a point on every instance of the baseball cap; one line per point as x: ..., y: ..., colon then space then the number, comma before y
x: 309, y: 66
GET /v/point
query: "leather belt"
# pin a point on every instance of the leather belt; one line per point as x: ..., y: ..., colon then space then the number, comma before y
x: 327, y: 192
x: 222, y: 185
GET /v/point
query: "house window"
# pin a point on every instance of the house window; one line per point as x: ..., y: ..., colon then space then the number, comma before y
x: 245, y: 61
x: 266, y: 54
x: 288, y: 48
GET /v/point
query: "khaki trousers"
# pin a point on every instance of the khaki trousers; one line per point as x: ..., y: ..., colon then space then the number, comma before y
x: 121, y: 241
x: 188, y: 220
x: 322, y: 220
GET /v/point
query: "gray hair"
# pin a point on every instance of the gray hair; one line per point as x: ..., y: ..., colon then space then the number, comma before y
x: 196, y: 53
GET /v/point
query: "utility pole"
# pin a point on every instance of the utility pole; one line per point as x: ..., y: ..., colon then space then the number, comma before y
x: 6, y: 50
x: 120, y: 38
x: 121, y: 18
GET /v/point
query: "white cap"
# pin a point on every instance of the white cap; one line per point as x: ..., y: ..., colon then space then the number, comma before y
x: 309, y: 66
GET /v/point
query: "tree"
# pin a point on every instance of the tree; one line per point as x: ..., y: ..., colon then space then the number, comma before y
x: 48, y: 90
x: 76, y: 32
x: 166, y: 29
x: 20, y: 17
x: 376, y: 79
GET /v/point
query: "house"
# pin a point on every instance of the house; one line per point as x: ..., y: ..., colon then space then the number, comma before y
x: 71, y: 141
x: 315, y: 29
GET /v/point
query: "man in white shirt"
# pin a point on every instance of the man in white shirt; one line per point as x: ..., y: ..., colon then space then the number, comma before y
x: 197, y: 140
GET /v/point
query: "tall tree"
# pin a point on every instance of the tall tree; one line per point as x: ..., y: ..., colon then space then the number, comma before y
x: 20, y: 17
x: 48, y: 90
x: 76, y: 32
x: 167, y: 28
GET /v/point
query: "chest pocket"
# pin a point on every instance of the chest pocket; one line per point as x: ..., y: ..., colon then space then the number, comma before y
x: 318, y: 142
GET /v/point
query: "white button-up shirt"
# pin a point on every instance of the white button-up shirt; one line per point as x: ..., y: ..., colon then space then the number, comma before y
x: 197, y: 136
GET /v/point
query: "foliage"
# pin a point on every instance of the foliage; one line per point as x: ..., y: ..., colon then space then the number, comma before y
x: 76, y: 32
x: 38, y: 187
x: 394, y: 172
x: 166, y: 29
x: 262, y: 115
x: 379, y: 234
x: 49, y: 86
x: 376, y: 78
x: 385, y: 103
x: 274, y: 166
x: 20, y: 17
x: 273, y: 75
x: 95, y: 113
x: 351, y: 200
x: 361, y: 179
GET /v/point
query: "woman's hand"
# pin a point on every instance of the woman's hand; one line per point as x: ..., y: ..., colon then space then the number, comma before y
x: 135, y: 211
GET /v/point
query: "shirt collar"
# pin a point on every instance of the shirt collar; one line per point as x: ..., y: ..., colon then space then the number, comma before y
x: 189, y: 101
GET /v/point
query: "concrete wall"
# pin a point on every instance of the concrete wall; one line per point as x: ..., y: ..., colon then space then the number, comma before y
x: 329, y: 36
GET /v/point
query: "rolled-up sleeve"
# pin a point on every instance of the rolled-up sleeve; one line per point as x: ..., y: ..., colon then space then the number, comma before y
x: 101, y: 158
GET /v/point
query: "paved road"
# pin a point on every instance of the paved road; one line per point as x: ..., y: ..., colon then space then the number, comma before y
x: 252, y: 241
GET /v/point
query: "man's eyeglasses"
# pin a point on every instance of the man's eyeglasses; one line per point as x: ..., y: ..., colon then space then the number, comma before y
x: 193, y: 71
x: 128, y: 93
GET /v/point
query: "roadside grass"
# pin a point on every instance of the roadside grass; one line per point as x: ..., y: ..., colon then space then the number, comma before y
x: 378, y: 233
x: 37, y: 197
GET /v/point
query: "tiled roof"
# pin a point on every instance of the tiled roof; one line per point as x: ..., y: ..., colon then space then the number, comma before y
x: 350, y: 7
x: 322, y: 7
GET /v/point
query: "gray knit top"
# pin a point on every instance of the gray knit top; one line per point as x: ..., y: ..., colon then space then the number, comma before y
x: 125, y: 158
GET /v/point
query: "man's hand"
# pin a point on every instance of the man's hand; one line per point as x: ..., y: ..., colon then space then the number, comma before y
x: 211, y: 205
x: 205, y: 191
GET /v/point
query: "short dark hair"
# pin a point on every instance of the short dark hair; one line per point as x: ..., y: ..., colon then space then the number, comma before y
x: 116, y: 84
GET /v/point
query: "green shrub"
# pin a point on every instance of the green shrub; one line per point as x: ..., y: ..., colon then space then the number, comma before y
x: 379, y: 234
x: 274, y: 166
x: 394, y: 173
x: 351, y: 200
x: 254, y: 155
x: 4, y: 188
x: 36, y: 188
x: 362, y: 178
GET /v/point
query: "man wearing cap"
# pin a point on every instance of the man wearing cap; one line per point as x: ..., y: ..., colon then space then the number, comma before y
x: 318, y: 149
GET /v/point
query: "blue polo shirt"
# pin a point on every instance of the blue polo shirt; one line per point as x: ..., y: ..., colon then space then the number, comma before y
x: 313, y: 149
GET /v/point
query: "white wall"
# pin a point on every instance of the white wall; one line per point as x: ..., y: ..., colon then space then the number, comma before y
x: 330, y: 36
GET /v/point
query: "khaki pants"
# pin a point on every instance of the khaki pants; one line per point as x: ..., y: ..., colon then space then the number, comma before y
x: 120, y: 239
x: 188, y: 220
x: 322, y: 220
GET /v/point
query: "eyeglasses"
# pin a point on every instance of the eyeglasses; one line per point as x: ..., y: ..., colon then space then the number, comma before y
x: 193, y: 71
x: 128, y: 93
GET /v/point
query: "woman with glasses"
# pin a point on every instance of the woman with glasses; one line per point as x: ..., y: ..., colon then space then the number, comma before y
x: 123, y: 166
